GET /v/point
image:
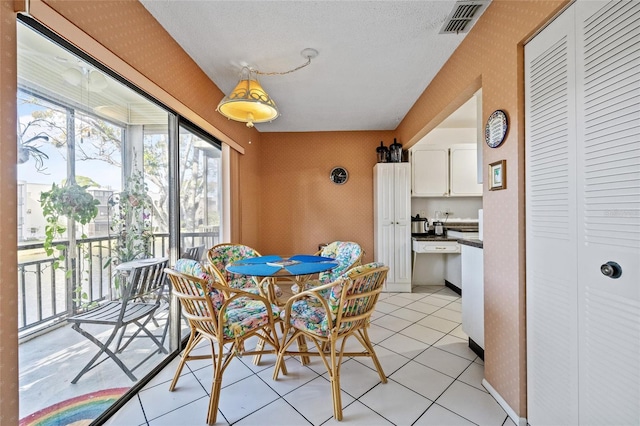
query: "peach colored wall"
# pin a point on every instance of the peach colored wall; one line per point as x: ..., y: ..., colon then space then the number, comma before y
x: 491, y: 57
x: 8, y: 219
x: 301, y: 207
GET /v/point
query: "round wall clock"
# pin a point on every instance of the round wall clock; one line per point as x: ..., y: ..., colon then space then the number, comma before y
x: 339, y: 175
x: 496, y: 128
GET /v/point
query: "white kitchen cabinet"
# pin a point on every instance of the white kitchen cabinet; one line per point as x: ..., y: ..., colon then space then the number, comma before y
x: 582, y: 163
x: 473, y: 294
x: 445, y: 171
x: 392, y: 222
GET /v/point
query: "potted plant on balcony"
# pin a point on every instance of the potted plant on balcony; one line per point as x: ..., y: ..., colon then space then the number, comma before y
x: 68, y: 200
x: 74, y: 202
x: 130, y: 220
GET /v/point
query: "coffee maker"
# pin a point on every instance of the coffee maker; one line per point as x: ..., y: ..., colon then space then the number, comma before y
x: 438, y: 226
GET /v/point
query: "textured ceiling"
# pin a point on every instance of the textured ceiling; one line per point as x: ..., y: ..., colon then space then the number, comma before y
x: 376, y: 57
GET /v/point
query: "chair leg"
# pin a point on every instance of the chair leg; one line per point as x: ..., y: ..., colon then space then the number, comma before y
x: 219, y: 365
x: 364, y: 339
x: 104, y: 348
x: 282, y: 351
x: 194, y: 339
x: 335, y: 383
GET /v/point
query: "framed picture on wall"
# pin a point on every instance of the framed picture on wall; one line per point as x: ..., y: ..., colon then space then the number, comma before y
x: 498, y: 175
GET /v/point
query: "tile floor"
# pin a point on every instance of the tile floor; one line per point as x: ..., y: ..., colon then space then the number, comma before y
x: 434, y: 379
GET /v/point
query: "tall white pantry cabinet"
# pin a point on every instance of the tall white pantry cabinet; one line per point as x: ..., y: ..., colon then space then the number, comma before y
x: 582, y: 131
x: 392, y: 222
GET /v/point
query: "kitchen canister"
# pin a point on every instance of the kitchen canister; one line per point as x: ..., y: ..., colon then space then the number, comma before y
x: 382, y: 153
x: 395, y: 152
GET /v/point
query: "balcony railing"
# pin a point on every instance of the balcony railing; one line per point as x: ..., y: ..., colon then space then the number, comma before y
x: 46, y: 296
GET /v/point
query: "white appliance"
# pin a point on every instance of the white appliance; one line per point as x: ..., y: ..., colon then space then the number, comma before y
x: 392, y: 222
x: 473, y: 294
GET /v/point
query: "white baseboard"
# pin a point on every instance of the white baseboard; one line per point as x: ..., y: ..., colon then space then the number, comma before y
x: 520, y: 421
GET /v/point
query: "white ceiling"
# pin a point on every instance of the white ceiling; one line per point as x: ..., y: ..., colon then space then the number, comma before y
x: 376, y: 57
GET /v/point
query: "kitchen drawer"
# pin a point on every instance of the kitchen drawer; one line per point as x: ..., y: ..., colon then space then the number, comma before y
x: 436, y: 247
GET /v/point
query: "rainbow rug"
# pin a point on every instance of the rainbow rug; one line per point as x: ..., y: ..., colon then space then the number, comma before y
x: 77, y: 411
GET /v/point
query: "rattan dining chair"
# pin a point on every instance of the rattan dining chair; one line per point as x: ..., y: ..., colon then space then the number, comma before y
x: 221, y: 255
x: 348, y: 255
x: 221, y: 319
x: 332, y: 320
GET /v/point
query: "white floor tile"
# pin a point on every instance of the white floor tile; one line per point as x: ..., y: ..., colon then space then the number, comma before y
x: 473, y: 404
x: 130, y: 414
x: 420, y: 306
x: 399, y: 300
x: 456, y: 346
x: 408, y: 314
x: 459, y: 333
x: 392, y: 323
x: 358, y: 414
x: 158, y: 400
x: 278, y: 413
x: 234, y: 372
x: 297, y: 375
x: 423, y: 380
x: 444, y: 362
x: 377, y: 333
x: 356, y: 379
x: 396, y: 403
x: 437, y: 415
x: 423, y: 325
x: 435, y: 301
x: 403, y: 345
x: 440, y: 324
x: 384, y: 307
x: 194, y: 413
x: 314, y: 400
x: 423, y: 334
x: 448, y: 314
x: 244, y: 397
x: 473, y: 376
x: 390, y: 361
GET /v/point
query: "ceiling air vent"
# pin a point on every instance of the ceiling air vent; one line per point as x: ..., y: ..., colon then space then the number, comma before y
x: 463, y: 16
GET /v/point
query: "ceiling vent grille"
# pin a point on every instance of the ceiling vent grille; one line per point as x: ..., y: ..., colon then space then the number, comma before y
x: 463, y: 16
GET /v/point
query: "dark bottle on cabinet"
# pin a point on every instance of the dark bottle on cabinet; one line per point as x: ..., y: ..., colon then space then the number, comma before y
x: 383, y: 153
x: 395, y: 151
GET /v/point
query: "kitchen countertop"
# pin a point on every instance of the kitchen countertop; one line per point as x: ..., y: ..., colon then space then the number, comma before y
x: 471, y: 242
x: 430, y: 237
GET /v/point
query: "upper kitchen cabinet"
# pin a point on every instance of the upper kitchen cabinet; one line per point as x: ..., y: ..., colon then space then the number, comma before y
x: 445, y: 171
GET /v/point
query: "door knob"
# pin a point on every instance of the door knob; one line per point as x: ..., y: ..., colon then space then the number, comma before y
x: 611, y: 270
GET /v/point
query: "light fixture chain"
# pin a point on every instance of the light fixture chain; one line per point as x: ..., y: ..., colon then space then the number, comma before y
x: 253, y: 70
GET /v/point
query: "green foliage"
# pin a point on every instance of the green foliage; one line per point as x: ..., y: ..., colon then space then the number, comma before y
x: 131, y: 220
x: 70, y: 200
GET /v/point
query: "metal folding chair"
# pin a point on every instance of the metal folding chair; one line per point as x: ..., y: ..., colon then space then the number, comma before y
x: 141, y: 297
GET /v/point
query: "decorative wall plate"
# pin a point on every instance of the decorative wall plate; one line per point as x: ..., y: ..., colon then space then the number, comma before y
x: 496, y: 128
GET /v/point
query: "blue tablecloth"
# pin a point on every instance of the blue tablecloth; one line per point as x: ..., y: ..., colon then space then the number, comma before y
x: 266, y: 266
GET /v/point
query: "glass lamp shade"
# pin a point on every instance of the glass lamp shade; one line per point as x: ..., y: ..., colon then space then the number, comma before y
x: 248, y: 103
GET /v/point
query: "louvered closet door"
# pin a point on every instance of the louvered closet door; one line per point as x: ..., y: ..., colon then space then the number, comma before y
x: 608, y: 99
x: 583, y: 210
x: 552, y: 319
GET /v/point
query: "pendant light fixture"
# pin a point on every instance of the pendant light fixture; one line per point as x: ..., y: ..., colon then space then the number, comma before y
x: 248, y: 102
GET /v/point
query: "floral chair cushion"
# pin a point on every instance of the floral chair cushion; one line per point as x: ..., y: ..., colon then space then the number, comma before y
x: 221, y: 256
x: 346, y: 253
x: 195, y: 269
x: 308, y: 314
x: 244, y: 315
x: 241, y: 315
